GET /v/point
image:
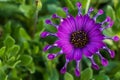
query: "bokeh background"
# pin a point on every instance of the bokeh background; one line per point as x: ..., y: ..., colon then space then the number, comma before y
x: 21, y: 54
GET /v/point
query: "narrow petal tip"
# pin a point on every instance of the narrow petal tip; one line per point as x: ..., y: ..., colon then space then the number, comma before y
x: 111, y: 23
x: 54, y: 16
x: 78, y: 4
x: 104, y: 62
x: 46, y: 48
x: 44, y: 34
x: 47, y: 21
x: 77, y: 72
x: 100, y: 11
x: 116, y: 38
x: 95, y: 66
x: 108, y: 19
x: 63, y: 70
x: 91, y: 9
x: 51, y: 56
x: 112, y: 53
x: 65, y: 9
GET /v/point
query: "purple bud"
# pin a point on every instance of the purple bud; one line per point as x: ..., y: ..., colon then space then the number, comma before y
x: 91, y: 9
x: 47, y: 21
x: 65, y: 9
x: 104, y: 62
x: 100, y: 11
x: 44, y: 34
x: 54, y: 16
x: 108, y: 19
x: 111, y: 23
x: 63, y: 70
x: 51, y: 56
x: 77, y: 72
x: 46, y: 48
x: 116, y: 38
x: 95, y: 66
x: 78, y: 4
x: 112, y: 53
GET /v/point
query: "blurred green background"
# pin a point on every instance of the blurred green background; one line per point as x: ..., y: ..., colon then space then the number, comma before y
x: 21, y: 55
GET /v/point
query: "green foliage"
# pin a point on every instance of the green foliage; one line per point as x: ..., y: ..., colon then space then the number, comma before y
x: 21, y: 48
x: 68, y: 76
x: 87, y: 74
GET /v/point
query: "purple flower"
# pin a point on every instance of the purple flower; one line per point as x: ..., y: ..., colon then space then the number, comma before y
x: 80, y: 36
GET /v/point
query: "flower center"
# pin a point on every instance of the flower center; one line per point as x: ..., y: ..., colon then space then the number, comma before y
x: 79, y: 39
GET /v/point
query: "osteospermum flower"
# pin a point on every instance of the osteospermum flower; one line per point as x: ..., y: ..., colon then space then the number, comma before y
x: 78, y: 36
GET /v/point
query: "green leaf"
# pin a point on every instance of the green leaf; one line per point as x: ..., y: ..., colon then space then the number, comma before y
x: 102, y: 77
x: 110, y: 12
x: 69, y: 4
x: 87, y: 72
x: 1, y: 63
x: 87, y: 6
x: 117, y: 75
x: 9, y: 42
x: 12, y: 63
x: 24, y: 34
x: 2, y: 75
x: 8, y: 27
x: 25, y: 60
x: 52, y: 8
x: 54, y: 75
x: 31, y: 67
x: 35, y: 49
x: 39, y: 5
x: 8, y: 10
x: 60, y: 12
x: 115, y: 2
x: 27, y: 10
x: 68, y: 76
x: 15, y: 49
x: 2, y: 50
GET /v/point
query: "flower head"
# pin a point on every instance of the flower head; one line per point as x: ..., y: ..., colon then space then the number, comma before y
x: 80, y: 36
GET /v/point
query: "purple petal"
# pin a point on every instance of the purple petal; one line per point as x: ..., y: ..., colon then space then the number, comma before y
x: 77, y: 54
x: 51, y: 56
x: 79, y: 22
x: 67, y: 25
x: 86, y: 52
x: 46, y: 47
x: 65, y: 9
x: 112, y: 53
x: 111, y: 23
x: 65, y: 45
x: 91, y: 9
x: 108, y: 18
x: 63, y: 70
x: 77, y: 72
x: 100, y: 12
x: 55, y: 16
x: 98, y: 38
x: 94, y: 32
x: 62, y: 36
x: 116, y: 38
x: 98, y: 45
x: 104, y: 62
x: 89, y: 25
x: 95, y: 66
x: 70, y: 56
x: 78, y: 4
x: 92, y: 49
x: 44, y: 34
x: 48, y: 21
